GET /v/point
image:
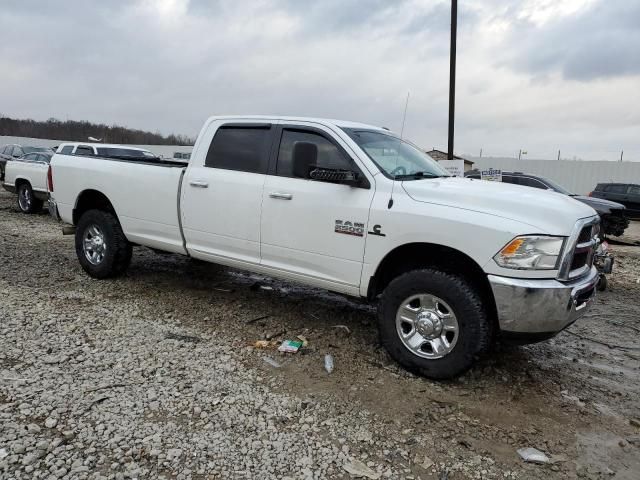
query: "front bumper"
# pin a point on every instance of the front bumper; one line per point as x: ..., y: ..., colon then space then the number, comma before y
x: 541, y: 308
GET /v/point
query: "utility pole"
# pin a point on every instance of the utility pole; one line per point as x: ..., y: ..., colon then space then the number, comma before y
x: 480, y: 153
x: 621, y: 153
x: 452, y: 74
x: 519, y: 154
x: 558, y: 154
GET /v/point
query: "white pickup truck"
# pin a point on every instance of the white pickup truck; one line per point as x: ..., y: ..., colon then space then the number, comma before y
x: 27, y: 177
x: 351, y: 208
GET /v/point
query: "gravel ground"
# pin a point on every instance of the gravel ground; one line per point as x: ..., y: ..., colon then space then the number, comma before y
x: 154, y: 375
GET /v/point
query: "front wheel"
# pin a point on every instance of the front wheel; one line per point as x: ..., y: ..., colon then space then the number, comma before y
x: 433, y: 323
x: 101, y: 246
x: 27, y: 202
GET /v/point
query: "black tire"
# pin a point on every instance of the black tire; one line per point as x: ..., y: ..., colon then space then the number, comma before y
x: 475, y: 330
x: 117, y: 249
x: 27, y: 202
x: 602, y: 283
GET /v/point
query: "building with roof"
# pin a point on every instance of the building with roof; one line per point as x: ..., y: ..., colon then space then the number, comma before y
x: 438, y: 155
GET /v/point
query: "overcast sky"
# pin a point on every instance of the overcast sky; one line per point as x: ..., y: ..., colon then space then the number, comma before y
x: 541, y: 75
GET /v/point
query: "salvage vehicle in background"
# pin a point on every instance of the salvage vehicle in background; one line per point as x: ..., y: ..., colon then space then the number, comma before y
x: 27, y: 176
x: 9, y: 152
x: 104, y: 150
x: 354, y: 209
x: 613, y: 216
x: 628, y: 194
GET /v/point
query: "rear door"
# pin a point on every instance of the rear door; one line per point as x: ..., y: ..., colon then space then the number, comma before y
x: 632, y: 200
x: 222, y: 192
x: 616, y: 192
x: 312, y: 228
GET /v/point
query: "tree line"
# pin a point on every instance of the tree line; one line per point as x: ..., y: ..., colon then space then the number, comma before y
x: 79, y: 131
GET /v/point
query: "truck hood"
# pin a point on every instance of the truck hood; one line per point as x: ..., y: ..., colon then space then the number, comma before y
x: 600, y: 205
x: 545, y: 211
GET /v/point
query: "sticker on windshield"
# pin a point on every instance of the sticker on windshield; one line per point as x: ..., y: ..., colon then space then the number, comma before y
x: 349, y: 228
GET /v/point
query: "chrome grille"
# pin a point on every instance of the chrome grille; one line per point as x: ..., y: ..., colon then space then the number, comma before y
x: 578, y: 257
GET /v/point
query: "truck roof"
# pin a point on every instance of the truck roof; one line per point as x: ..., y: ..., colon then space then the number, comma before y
x: 322, y: 121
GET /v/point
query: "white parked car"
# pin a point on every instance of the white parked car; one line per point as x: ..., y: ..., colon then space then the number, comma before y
x: 352, y: 208
x: 27, y: 176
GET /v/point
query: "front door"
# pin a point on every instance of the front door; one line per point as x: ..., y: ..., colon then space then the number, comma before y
x: 222, y: 192
x: 314, y: 228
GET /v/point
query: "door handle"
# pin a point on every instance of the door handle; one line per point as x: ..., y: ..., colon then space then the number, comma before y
x: 281, y: 196
x: 198, y: 183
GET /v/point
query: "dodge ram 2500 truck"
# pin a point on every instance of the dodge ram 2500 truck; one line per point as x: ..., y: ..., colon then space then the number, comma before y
x: 352, y: 208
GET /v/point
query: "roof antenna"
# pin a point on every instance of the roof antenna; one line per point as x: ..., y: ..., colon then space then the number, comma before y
x: 404, y: 118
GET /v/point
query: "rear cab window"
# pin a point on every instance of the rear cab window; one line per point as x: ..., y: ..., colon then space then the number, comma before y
x: 84, y: 150
x: 240, y: 147
x: 67, y: 150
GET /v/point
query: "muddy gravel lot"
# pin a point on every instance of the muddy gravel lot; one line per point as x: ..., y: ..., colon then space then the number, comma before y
x: 154, y: 375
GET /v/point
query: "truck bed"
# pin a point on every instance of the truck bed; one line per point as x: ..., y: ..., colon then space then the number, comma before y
x: 144, y: 194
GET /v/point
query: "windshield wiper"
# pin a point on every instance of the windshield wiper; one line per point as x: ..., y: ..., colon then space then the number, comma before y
x: 416, y: 175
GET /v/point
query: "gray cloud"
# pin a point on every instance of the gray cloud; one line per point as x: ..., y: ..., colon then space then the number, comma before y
x: 168, y: 64
x: 603, y: 41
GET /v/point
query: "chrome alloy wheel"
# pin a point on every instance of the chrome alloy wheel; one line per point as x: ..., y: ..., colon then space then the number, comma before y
x: 24, y: 198
x: 94, y: 245
x: 427, y: 326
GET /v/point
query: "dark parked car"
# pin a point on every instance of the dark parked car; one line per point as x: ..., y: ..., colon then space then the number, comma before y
x: 9, y: 152
x: 628, y: 194
x: 612, y: 214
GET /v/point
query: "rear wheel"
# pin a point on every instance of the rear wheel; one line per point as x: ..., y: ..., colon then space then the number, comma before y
x: 27, y: 202
x: 433, y: 323
x: 101, y: 246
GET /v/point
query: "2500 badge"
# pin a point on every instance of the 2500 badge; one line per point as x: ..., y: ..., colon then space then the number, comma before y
x: 349, y: 228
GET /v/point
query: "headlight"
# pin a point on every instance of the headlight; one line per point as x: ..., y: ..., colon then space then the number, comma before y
x: 531, y: 252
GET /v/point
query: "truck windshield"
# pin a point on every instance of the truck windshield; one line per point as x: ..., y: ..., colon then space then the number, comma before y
x: 394, y: 157
x: 557, y: 187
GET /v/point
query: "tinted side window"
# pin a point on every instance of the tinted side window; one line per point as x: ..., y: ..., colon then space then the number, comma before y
x: 616, y: 189
x: 244, y: 149
x: 634, y: 190
x: 84, y: 150
x: 510, y: 179
x: 532, y: 182
x: 329, y: 155
x: 67, y: 149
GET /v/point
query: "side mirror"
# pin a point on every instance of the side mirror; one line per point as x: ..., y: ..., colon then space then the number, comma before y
x: 305, y: 159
